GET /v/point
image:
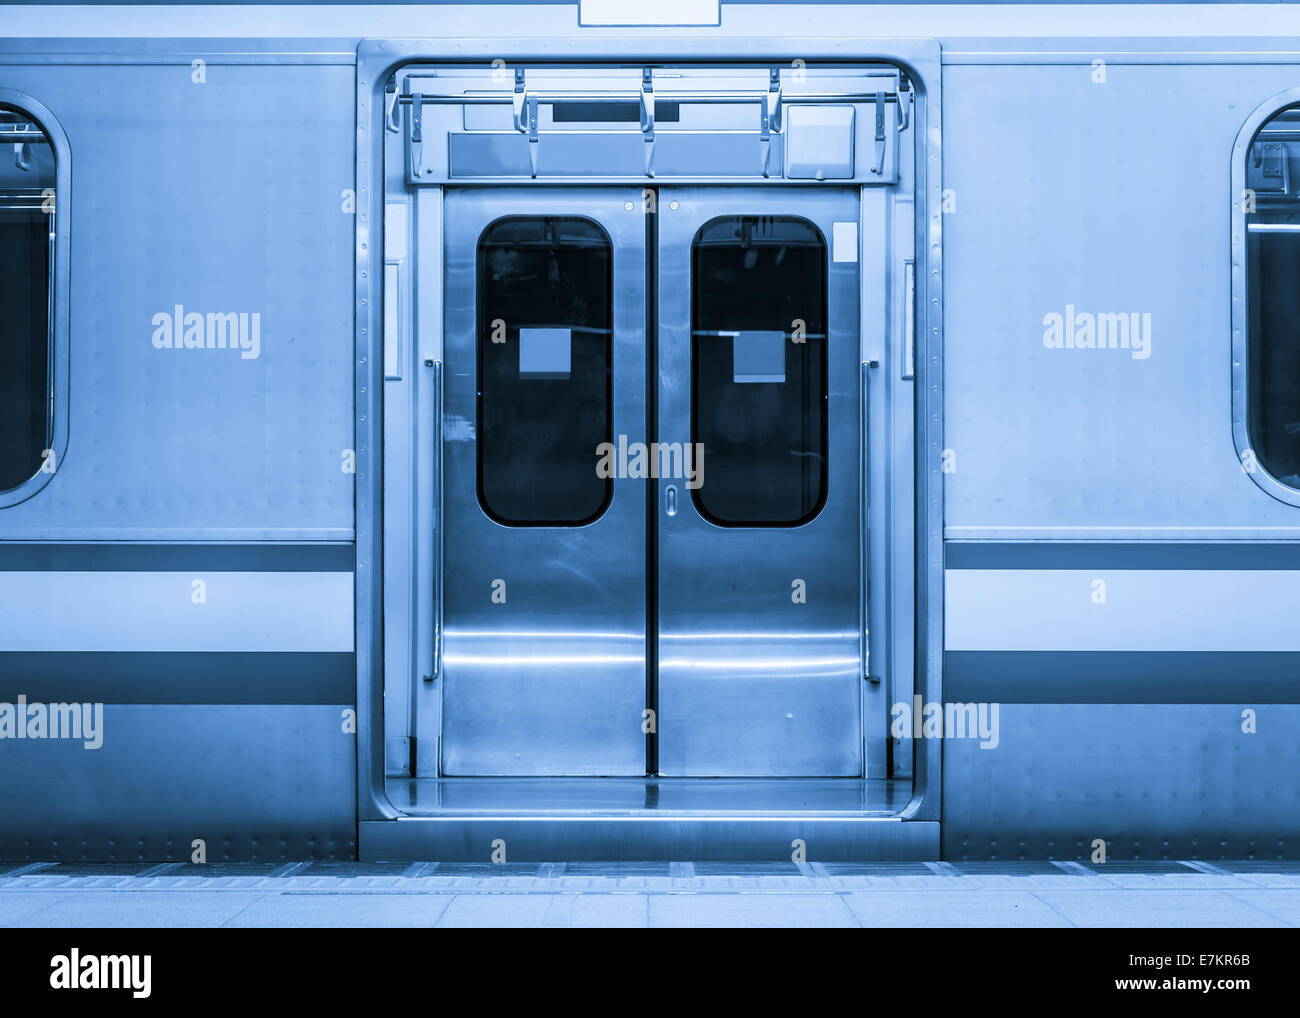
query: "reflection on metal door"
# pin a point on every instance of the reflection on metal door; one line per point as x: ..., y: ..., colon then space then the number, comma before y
x: 759, y: 657
x: 544, y: 605
x: 754, y: 483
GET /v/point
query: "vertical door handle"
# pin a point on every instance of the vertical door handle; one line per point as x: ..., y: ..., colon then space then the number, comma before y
x: 909, y: 319
x: 864, y: 522
x: 670, y: 500
x: 439, y: 521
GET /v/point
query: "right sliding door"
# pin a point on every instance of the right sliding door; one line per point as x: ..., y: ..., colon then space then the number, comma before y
x: 757, y: 538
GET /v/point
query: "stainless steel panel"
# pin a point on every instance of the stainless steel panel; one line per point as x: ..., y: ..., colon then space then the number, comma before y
x: 622, y: 154
x: 1151, y: 780
x: 820, y: 142
x: 251, y: 781
x: 1097, y: 444
x: 694, y: 796
x: 551, y: 682
x: 216, y: 234
x: 641, y: 838
x: 750, y: 682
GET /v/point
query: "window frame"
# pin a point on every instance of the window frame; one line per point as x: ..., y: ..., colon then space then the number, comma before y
x: 1240, y: 264
x: 823, y: 497
x: 479, y: 339
x: 26, y: 105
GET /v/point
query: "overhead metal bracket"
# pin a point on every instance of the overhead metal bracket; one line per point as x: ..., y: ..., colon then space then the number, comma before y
x: 904, y: 104
x: 518, y: 100
x: 530, y: 111
x: 648, y: 118
x: 417, y: 134
x: 526, y: 118
x: 391, y: 121
x: 879, y: 166
x: 774, y: 100
x: 769, y: 119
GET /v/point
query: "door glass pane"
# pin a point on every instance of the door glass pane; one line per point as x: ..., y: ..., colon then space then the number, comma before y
x: 758, y: 369
x: 27, y: 179
x: 544, y: 348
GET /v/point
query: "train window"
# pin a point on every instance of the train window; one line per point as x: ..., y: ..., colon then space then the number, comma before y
x: 758, y: 369
x: 27, y: 191
x: 1273, y: 266
x: 545, y: 342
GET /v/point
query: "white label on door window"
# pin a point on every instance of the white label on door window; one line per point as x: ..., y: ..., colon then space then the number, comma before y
x: 545, y: 353
x: 844, y: 242
x: 758, y: 357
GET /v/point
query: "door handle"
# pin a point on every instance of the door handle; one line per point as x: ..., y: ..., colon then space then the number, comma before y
x: 440, y: 522
x: 864, y: 521
x: 670, y: 500
x: 909, y: 319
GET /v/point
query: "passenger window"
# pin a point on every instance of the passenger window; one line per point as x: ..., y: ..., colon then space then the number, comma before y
x: 1273, y: 269
x: 545, y: 342
x: 758, y: 370
x: 27, y: 209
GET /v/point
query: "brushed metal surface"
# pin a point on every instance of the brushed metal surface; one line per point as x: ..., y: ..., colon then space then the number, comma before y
x: 552, y: 681
x: 249, y: 781
x: 750, y: 682
x: 640, y: 838
x: 1151, y: 780
x: 696, y: 796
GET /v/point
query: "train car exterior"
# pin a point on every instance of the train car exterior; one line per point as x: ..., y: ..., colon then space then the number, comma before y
x: 635, y: 431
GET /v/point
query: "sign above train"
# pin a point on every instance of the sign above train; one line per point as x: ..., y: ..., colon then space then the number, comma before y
x: 632, y: 13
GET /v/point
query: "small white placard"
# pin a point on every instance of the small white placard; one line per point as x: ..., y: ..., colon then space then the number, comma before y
x: 545, y: 353
x: 844, y: 242
x: 395, y: 231
x: 758, y: 357
x: 649, y: 12
x: 392, y: 323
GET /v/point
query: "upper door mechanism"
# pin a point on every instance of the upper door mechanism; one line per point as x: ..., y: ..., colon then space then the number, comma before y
x: 787, y: 124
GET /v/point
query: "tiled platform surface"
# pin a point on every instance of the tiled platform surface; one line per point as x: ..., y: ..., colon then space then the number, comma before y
x: 1165, y: 893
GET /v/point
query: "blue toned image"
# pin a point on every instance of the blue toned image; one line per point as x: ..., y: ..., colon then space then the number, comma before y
x: 724, y: 463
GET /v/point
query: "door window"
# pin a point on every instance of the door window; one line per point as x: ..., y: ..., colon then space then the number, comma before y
x: 758, y: 369
x: 545, y: 343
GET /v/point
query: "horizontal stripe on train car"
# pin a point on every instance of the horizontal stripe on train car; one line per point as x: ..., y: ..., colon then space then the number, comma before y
x: 177, y: 611
x: 1101, y: 677
x: 1121, y: 555
x: 157, y: 678
x: 118, y: 557
x: 1123, y: 610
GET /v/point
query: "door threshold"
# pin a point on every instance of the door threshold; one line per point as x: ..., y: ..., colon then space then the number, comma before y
x: 649, y: 796
x: 649, y: 836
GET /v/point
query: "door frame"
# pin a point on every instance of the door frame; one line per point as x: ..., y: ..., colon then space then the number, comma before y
x: 380, y: 59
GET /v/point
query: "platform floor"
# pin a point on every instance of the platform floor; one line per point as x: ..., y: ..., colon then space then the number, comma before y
x: 335, y: 894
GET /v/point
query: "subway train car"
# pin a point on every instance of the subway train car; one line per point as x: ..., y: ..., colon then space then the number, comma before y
x: 682, y: 430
